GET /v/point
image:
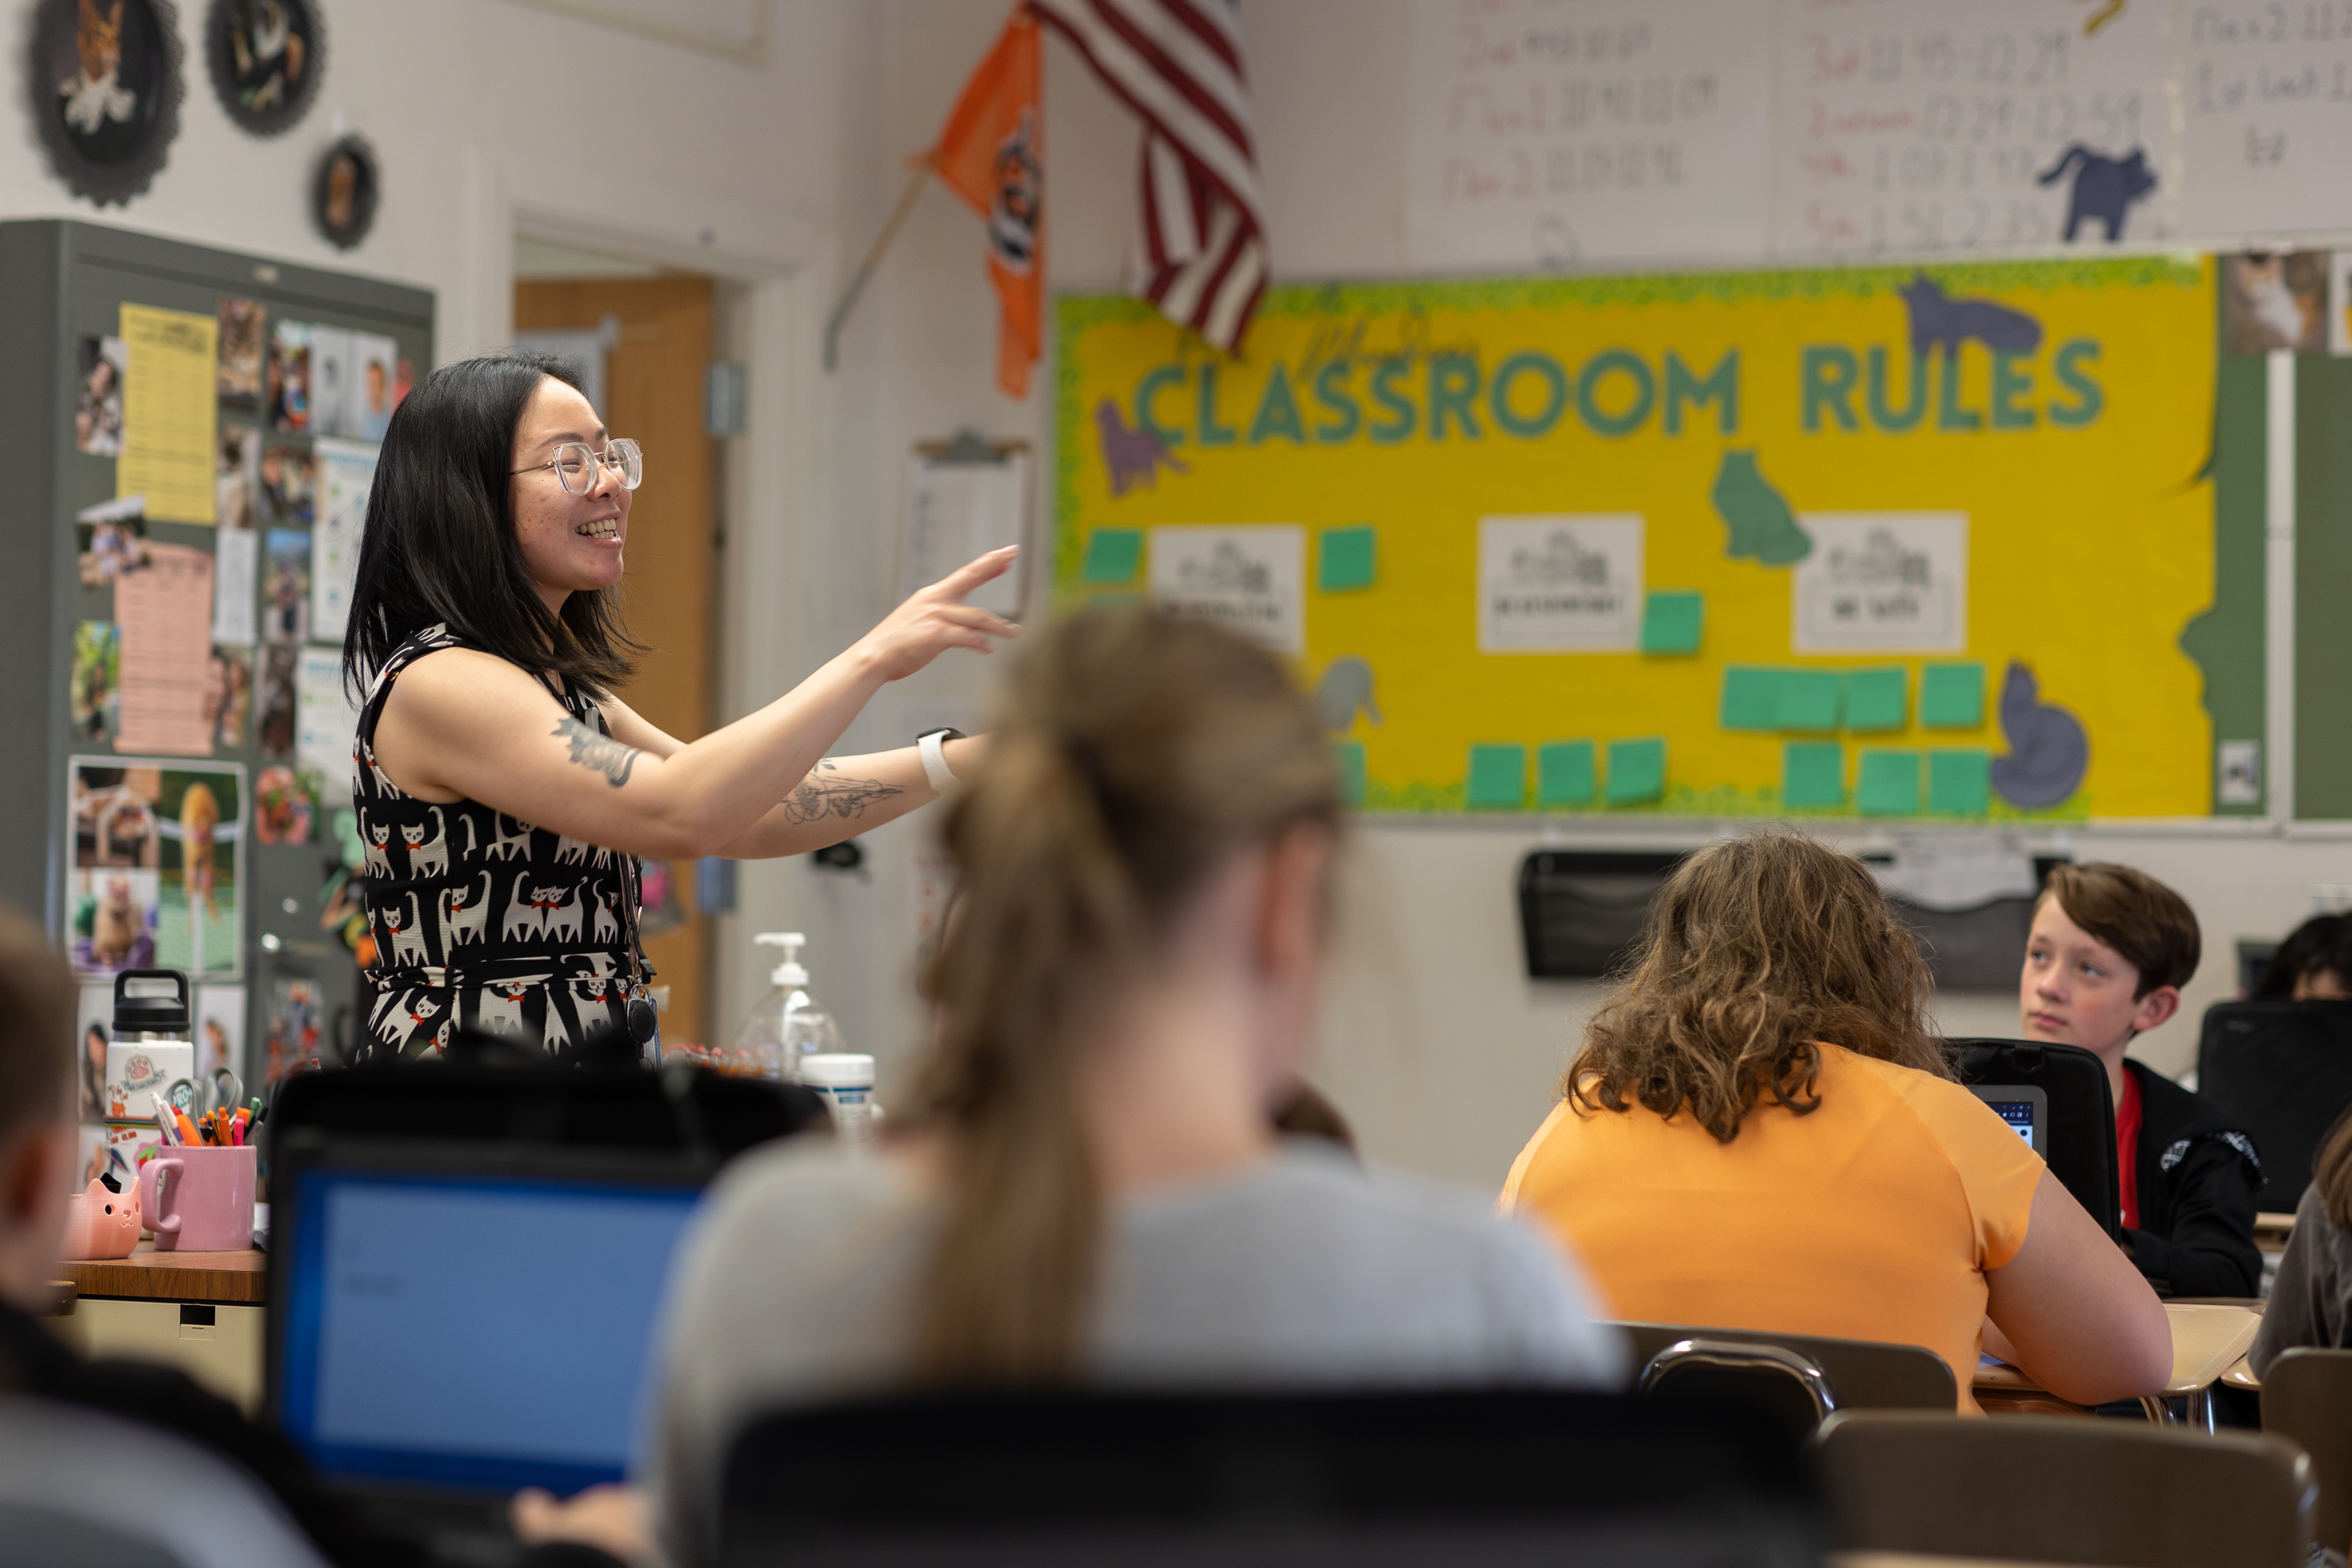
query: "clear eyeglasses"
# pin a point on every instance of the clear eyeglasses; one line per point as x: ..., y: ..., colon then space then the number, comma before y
x: 575, y: 464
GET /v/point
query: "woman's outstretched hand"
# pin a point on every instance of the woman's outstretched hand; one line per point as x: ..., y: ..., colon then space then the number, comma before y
x: 935, y: 618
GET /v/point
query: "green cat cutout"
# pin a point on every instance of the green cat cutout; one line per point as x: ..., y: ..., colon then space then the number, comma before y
x: 1758, y: 516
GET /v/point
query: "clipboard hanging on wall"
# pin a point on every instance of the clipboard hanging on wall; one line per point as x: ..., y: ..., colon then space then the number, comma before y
x: 964, y: 497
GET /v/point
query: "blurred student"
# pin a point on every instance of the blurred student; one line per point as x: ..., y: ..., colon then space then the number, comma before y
x: 2111, y: 948
x: 1761, y: 1133
x: 1086, y: 1185
x: 2311, y: 1299
x: 2313, y: 964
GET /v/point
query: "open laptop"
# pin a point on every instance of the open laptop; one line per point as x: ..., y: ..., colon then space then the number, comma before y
x: 2025, y: 1108
x: 451, y: 1322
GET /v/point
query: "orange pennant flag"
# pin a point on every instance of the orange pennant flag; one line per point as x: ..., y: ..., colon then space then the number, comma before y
x: 992, y: 154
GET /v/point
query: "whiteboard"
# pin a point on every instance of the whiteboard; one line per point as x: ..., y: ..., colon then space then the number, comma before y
x: 1922, y: 125
x: 2266, y: 93
x: 1546, y: 132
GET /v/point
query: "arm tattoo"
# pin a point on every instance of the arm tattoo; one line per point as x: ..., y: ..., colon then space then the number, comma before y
x: 819, y: 797
x: 598, y: 753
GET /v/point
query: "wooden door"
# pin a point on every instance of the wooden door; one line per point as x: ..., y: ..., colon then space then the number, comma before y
x: 654, y: 379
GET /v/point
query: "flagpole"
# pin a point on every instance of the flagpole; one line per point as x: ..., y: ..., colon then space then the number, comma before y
x: 834, y: 323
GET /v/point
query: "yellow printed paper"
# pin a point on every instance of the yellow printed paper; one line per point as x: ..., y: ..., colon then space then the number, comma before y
x: 1995, y: 471
x: 169, y: 415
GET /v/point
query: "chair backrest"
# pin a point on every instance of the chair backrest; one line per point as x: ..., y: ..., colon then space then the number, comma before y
x: 2082, y: 1142
x: 1789, y: 1389
x: 82, y: 1487
x: 1861, y: 1375
x: 1486, y: 1477
x: 678, y: 1108
x: 2307, y: 1399
x: 2043, y: 1490
x: 2282, y: 1071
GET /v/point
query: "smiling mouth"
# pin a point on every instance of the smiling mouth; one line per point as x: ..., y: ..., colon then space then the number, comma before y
x: 602, y: 527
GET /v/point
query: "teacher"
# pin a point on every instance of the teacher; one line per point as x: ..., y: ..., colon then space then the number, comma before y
x: 504, y: 792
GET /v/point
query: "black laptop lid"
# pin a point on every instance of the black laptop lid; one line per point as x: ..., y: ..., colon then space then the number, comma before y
x: 2080, y: 1139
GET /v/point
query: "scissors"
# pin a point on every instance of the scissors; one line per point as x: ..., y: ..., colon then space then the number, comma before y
x: 219, y: 1091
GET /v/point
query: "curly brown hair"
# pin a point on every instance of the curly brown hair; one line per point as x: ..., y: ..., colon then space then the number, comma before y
x: 1757, y: 949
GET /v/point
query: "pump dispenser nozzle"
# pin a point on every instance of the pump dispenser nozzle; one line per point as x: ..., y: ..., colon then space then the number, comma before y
x: 788, y: 972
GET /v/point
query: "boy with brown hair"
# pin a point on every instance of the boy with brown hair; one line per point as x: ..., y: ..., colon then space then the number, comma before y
x: 2110, y: 950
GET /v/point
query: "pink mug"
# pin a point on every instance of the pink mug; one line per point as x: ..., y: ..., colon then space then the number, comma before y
x: 199, y: 1199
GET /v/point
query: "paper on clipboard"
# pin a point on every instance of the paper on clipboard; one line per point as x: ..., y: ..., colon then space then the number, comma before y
x: 960, y: 504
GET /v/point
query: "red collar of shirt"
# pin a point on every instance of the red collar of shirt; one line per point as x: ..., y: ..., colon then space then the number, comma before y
x: 2127, y: 1150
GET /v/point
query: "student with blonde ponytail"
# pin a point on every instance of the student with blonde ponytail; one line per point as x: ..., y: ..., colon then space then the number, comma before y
x: 1084, y: 1184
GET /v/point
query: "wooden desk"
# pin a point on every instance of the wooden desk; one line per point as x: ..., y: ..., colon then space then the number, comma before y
x: 2241, y: 1376
x: 147, y: 1274
x: 2206, y: 1341
x: 198, y: 1311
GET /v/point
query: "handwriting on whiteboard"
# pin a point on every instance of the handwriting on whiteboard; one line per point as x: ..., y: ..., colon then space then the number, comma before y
x: 1911, y: 125
x: 1545, y: 132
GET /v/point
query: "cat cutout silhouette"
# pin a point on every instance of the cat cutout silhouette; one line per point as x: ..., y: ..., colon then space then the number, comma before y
x: 1345, y: 691
x: 1761, y: 523
x: 2049, y: 750
x: 1938, y: 318
x: 2104, y: 187
x: 1133, y: 457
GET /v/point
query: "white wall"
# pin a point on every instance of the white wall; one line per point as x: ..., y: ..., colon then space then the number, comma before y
x: 1437, y: 1044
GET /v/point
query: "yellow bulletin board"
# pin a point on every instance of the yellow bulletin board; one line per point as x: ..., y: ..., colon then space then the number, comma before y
x: 1885, y: 543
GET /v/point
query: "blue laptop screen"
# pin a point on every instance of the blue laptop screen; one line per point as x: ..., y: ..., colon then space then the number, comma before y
x: 478, y: 1332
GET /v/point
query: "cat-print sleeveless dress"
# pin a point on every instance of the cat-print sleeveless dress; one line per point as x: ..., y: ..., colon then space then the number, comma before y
x: 482, y: 921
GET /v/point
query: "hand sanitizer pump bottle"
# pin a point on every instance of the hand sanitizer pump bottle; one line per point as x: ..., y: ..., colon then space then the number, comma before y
x: 787, y: 1024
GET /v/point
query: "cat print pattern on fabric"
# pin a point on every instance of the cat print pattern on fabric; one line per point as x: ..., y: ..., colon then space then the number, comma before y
x: 482, y: 921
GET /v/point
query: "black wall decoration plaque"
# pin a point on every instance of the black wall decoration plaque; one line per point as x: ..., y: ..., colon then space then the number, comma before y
x: 102, y: 79
x: 265, y: 57
x: 343, y: 192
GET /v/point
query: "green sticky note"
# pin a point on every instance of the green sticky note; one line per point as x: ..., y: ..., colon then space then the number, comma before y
x: 1564, y: 774
x: 1113, y: 554
x: 1637, y: 771
x: 1751, y: 698
x: 1499, y: 778
x: 1347, y: 558
x: 1671, y: 620
x: 1958, y: 783
x: 1877, y: 699
x: 1810, y: 698
x: 1347, y: 757
x: 1889, y: 785
x: 1813, y: 774
x: 1951, y: 696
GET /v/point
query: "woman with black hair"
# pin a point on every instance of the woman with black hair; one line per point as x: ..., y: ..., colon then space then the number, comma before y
x: 504, y: 792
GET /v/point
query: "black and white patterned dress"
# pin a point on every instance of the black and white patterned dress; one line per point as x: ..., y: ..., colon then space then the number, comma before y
x: 482, y: 921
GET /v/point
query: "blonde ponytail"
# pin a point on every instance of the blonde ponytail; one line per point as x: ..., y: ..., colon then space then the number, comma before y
x: 1134, y: 752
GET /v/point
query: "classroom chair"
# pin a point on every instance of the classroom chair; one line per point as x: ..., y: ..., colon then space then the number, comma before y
x: 484, y: 1097
x: 2307, y: 1399
x: 1469, y: 1478
x: 2282, y: 1071
x: 2023, y: 1488
x: 1796, y: 1379
x: 82, y: 1487
x: 2081, y: 1135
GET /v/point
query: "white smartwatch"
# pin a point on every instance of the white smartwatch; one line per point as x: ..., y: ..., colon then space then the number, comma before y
x: 932, y: 744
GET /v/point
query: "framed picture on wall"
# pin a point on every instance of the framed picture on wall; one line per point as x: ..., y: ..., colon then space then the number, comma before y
x: 103, y: 80
x: 265, y: 57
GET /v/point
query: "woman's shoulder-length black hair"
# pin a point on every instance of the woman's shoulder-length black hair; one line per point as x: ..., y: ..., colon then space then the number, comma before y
x: 439, y: 546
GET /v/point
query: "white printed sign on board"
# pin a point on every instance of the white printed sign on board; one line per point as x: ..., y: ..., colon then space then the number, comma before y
x: 1251, y: 580
x: 1883, y: 582
x: 1919, y: 125
x: 1548, y: 132
x: 1565, y: 583
x: 2264, y: 92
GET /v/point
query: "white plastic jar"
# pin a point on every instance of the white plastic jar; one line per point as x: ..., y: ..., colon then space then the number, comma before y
x: 845, y: 1079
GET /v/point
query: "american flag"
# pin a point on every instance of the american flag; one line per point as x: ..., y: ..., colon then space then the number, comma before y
x: 1178, y: 64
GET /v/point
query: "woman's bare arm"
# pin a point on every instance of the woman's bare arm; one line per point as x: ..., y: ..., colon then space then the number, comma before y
x: 2075, y: 1312
x: 461, y: 725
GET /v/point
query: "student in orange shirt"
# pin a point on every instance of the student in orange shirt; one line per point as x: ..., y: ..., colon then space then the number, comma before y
x: 1761, y: 1133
